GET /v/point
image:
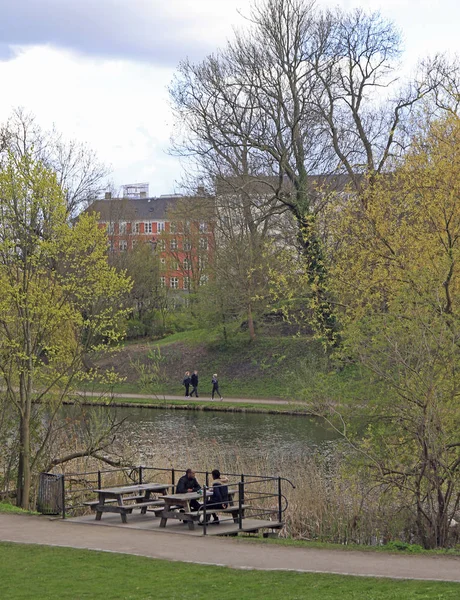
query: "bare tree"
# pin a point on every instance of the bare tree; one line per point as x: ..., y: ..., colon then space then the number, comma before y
x: 298, y: 93
x: 79, y: 172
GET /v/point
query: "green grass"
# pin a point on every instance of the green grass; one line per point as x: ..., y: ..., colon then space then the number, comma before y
x: 247, y: 369
x: 390, y: 548
x: 45, y: 573
x: 6, y: 507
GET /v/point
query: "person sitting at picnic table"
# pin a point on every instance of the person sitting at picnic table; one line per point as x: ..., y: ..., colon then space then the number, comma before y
x: 219, y: 498
x: 188, y: 483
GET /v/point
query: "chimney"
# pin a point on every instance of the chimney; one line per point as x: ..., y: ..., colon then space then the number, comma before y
x: 108, y: 195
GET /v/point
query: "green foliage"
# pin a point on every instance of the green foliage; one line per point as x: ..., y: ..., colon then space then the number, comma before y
x: 395, y: 272
x: 403, y: 547
x: 60, y: 300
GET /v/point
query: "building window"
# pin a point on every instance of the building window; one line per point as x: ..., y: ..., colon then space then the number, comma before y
x: 202, y: 262
x: 134, y: 242
x: 147, y: 227
x: 110, y: 228
x: 174, y: 282
x: 187, y: 264
x: 111, y: 247
x: 203, y: 280
x: 123, y: 245
x: 187, y: 246
x: 203, y: 227
x: 163, y: 261
x: 137, y: 227
x: 160, y: 226
x: 173, y: 244
x: 173, y: 227
x: 162, y: 281
x: 186, y: 283
x: 161, y: 245
x: 122, y: 227
x: 174, y: 265
x: 204, y: 243
x: 187, y: 227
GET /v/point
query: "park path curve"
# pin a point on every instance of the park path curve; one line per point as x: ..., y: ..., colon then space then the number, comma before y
x: 232, y: 553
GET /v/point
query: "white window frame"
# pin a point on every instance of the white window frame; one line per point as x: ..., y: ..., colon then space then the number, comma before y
x: 147, y: 227
x: 173, y: 244
x: 204, y: 243
x: 174, y: 283
x: 160, y: 226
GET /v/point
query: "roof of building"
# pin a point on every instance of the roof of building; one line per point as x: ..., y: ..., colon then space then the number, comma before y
x: 270, y: 184
x: 136, y: 209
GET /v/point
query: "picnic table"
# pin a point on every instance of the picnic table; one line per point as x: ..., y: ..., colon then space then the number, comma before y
x: 177, y: 506
x: 138, y: 496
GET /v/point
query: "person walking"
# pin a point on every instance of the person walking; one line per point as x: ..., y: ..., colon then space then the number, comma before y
x: 194, y: 382
x: 187, y: 380
x: 215, y: 386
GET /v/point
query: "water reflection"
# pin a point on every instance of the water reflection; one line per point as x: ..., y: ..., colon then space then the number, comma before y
x: 181, y: 437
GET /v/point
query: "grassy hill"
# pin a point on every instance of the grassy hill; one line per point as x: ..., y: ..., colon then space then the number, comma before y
x: 251, y: 369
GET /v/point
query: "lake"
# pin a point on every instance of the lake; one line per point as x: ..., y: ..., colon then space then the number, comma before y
x: 180, y: 437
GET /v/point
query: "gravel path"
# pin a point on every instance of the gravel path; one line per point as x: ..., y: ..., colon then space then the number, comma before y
x: 225, y: 552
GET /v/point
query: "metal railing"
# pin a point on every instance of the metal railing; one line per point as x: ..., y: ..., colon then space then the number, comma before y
x: 255, y: 496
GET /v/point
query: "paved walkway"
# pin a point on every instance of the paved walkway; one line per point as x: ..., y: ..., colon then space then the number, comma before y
x: 225, y: 552
x: 156, y: 397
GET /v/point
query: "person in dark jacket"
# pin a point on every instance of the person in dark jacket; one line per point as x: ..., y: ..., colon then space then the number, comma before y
x: 194, y: 382
x: 187, y: 380
x: 215, y: 387
x: 188, y: 483
x: 219, y: 498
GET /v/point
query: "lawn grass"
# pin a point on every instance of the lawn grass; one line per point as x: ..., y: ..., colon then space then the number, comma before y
x: 6, y: 507
x: 262, y: 368
x: 49, y: 573
x: 390, y: 548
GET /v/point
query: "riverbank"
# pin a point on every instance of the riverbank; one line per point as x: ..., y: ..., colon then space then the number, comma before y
x: 243, y: 405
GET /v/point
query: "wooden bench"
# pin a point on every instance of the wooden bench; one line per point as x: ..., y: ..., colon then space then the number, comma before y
x: 127, y: 509
x: 233, y: 510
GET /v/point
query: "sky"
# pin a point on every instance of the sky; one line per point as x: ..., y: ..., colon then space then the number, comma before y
x: 98, y: 70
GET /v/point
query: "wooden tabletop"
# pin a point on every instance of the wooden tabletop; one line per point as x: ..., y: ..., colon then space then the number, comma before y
x: 141, y: 487
x: 186, y: 496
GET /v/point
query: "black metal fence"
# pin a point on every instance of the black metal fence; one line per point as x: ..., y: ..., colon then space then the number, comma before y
x: 252, y: 496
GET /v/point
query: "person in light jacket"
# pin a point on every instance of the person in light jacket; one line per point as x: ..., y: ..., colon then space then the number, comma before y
x: 186, y: 381
x: 215, y: 387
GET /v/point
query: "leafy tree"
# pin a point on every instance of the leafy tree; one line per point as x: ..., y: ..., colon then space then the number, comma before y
x: 60, y: 300
x: 396, y: 273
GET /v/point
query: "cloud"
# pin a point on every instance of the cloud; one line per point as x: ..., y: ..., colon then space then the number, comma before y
x: 139, y: 30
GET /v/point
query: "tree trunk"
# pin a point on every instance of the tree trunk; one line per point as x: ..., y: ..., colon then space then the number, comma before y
x: 324, y: 318
x: 252, y: 332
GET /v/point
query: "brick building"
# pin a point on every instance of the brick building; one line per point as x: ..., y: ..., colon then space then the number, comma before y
x: 178, y: 228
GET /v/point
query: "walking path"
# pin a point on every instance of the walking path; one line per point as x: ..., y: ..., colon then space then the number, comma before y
x: 157, y: 397
x: 225, y: 552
